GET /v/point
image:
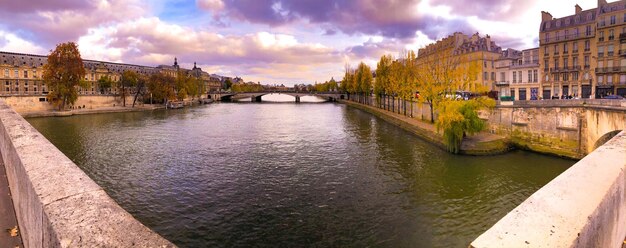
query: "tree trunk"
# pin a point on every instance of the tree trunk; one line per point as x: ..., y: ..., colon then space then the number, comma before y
x: 136, y: 95
x: 432, y: 113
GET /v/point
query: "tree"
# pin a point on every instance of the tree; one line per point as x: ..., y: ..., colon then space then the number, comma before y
x: 460, y: 118
x: 228, y: 84
x: 161, y: 86
x: 63, y: 74
x: 438, y: 76
x: 129, y: 80
x: 140, y: 87
x: 105, y: 83
x: 383, y: 69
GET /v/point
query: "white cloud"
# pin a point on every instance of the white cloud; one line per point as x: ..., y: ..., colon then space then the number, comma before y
x: 12, y: 43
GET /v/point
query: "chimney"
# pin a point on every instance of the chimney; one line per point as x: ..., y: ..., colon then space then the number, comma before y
x: 546, y: 16
x: 578, y: 9
x: 601, y: 3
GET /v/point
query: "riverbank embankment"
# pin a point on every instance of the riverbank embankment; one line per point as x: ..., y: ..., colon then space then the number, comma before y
x: 85, y: 111
x: 480, y: 144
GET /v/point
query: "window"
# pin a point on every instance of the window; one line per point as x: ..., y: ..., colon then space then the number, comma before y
x: 611, y: 34
x: 564, y: 48
x: 587, y: 45
x: 514, y: 77
x: 485, y: 76
x: 622, y: 79
x: 556, y: 77
x: 575, y: 61
x: 600, y: 51
x: 609, y: 50
x: 575, y: 76
x: 485, y: 64
x: 556, y: 49
x: 6, y: 73
x: 34, y: 73
x: 600, y: 79
x: 556, y: 63
x: 609, y: 79
x: 493, y: 76
x: 565, y: 63
x: 16, y: 74
x: 530, y: 76
x: 565, y: 77
x: 588, y: 30
x: 546, y: 64
x: 502, y: 77
x: 545, y: 51
x: 587, y: 61
x: 535, y: 78
x: 601, y: 36
x: 25, y: 74
x: 612, y: 20
x: 575, y: 47
x: 520, y: 76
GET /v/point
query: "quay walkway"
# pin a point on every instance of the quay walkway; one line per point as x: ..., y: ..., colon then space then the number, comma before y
x: 8, y: 222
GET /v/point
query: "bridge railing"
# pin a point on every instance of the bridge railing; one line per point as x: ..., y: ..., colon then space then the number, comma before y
x: 56, y: 203
x: 585, y: 206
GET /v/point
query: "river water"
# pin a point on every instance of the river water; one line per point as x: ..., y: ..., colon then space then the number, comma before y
x: 293, y: 175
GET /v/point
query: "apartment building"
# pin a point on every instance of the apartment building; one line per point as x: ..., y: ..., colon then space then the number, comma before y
x: 567, y: 47
x: 480, y: 52
x: 611, y: 55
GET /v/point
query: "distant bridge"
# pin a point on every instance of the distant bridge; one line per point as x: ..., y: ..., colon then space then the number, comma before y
x: 256, y: 96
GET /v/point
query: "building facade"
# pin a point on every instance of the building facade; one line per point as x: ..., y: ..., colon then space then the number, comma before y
x: 611, y: 42
x: 21, y: 74
x: 568, y: 46
x: 474, y: 51
x: 584, y: 55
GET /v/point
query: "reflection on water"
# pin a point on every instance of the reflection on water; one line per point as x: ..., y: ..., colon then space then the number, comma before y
x: 293, y: 175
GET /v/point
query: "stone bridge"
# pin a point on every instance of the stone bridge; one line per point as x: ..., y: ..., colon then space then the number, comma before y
x: 256, y: 96
x: 571, y: 128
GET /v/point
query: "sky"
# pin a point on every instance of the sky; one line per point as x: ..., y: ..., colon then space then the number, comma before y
x: 269, y: 41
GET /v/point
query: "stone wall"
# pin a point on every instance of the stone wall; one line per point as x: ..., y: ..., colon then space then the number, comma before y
x: 28, y: 104
x: 56, y: 203
x: 585, y: 206
x: 569, y: 128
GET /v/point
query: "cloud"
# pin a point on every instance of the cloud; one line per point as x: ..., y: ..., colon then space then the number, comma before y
x: 488, y: 9
x: 210, y: 5
x: 52, y: 22
x: 150, y: 41
x: 13, y: 43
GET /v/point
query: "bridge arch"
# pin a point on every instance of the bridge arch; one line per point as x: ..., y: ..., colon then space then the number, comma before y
x: 605, y: 138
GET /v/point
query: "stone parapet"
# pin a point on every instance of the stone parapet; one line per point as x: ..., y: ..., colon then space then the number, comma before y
x: 585, y: 206
x: 56, y: 203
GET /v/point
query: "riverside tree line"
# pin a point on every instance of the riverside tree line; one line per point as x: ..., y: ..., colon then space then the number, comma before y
x: 65, y: 72
x: 432, y: 80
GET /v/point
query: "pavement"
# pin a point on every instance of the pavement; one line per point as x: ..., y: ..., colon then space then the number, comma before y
x: 10, y: 235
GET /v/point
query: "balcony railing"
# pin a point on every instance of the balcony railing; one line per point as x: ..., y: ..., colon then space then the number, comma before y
x: 587, y: 50
x: 600, y: 39
x: 566, y: 37
x: 611, y: 69
x: 587, y: 67
x: 622, y: 37
x: 609, y: 54
x: 600, y: 55
x: 575, y: 51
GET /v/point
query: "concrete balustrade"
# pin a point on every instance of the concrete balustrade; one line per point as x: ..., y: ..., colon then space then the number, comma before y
x: 585, y: 206
x: 56, y: 203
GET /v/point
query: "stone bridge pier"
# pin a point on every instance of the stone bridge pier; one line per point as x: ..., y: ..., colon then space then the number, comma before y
x: 569, y: 128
